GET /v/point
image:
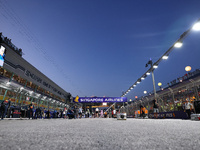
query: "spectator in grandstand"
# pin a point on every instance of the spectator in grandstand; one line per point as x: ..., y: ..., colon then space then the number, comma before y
x: 155, y: 109
x: 179, y: 105
x: 188, y: 107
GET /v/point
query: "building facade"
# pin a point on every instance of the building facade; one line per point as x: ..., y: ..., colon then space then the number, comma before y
x: 23, y: 83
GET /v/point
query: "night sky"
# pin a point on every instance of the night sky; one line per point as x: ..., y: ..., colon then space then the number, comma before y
x: 100, y: 48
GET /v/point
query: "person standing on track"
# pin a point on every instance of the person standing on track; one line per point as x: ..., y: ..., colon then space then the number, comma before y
x: 2, y: 110
x: 155, y: 109
x: 188, y: 107
x: 80, y: 110
x: 97, y: 112
x: 6, y: 104
x: 30, y: 110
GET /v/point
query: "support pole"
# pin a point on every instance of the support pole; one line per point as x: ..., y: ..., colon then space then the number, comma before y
x: 154, y: 86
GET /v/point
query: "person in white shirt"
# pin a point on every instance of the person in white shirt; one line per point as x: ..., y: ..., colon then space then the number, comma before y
x: 97, y: 112
x: 188, y: 107
x: 80, y: 112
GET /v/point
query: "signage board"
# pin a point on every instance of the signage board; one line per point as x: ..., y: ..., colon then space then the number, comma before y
x: 99, y: 99
x: 2, y: 55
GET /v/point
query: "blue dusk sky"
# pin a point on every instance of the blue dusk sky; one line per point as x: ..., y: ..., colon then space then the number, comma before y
x: 100, y: 47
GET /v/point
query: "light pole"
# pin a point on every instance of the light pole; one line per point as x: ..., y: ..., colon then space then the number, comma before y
x: 152, y: 69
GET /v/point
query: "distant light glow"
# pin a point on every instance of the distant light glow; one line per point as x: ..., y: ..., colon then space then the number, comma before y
x: 134, y: 85
x: 159, y: 84
x: 196, y: 26
x: 136, y: 97
x: 188, y: 68
x: 178, y: 44
x: 138, y: 82
x: 165, y: 57
x: 104, y: 104
x: 145, y: 92
x: 142, y: 78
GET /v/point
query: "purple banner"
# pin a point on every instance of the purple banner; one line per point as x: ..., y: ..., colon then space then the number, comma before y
x: 99, y: 99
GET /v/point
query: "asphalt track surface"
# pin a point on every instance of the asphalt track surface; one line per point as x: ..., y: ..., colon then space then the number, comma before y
x: 99, y: 134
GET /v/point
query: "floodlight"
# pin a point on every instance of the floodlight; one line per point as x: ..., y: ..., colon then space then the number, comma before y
x: 178, y: 44
x: 148, y: 73
x: 155, y: 66
x: 196, y: 26
x: 165, y: 57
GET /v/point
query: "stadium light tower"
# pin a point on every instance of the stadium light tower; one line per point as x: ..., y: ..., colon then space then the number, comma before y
x: 177, y: 44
